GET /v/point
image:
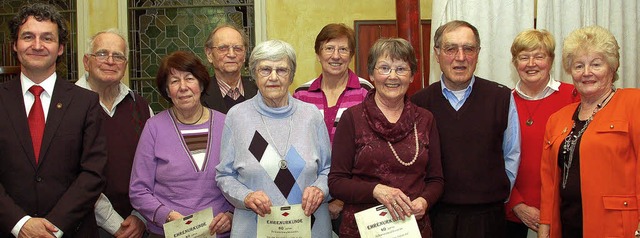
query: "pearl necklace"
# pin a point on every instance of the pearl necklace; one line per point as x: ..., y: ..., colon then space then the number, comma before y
x: 415, y: 157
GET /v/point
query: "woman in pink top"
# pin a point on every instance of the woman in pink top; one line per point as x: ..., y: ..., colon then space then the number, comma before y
x: 337, y: 88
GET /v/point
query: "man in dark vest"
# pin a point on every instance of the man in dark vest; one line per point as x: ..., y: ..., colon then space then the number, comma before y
x: 226, y: 50
x: 479, y: 136
x: 125, y: 114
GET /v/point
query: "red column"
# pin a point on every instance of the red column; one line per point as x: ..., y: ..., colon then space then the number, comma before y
x: 408, y: 22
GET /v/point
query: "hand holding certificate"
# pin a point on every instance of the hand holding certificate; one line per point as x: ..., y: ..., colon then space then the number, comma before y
x: 377, y: 222
x: 193, y: 226
x: 285, y: 221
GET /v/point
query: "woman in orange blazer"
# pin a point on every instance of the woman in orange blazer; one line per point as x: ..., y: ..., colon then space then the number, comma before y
x: 589, y: 169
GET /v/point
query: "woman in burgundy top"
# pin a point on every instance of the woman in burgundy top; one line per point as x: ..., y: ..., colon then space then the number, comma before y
x: 387, y: 150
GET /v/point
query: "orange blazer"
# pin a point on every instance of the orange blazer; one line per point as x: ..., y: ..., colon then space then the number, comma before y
x: 609, y: 169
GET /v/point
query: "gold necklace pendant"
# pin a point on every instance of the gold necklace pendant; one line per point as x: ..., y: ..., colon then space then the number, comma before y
x: 529, y: 121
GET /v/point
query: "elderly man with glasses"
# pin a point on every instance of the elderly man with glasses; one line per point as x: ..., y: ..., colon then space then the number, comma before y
x: 479, y: 136
x: 226, y: 50
x: 125, y: 114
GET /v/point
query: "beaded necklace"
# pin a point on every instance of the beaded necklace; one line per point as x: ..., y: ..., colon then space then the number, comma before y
x: 415, y: 157
x: 570, y: 142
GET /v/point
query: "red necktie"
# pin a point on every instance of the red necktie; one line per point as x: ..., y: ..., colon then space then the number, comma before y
x: 36, y: 120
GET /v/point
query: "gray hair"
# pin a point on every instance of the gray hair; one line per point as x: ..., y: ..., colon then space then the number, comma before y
x: 92, y: 40
x: 243, y: 35
x: 452, y: 26
x: 272, y: 50
x: 394, y: 48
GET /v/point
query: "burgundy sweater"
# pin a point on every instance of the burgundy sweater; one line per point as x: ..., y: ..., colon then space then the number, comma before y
x: 122, y: 132
x: 362, y: 159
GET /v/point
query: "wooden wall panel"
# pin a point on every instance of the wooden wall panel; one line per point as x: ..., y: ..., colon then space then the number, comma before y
x: 368, y: 31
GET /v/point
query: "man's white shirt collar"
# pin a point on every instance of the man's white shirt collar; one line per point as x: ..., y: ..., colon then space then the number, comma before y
x: 124, y: 91
x: 48, y: 84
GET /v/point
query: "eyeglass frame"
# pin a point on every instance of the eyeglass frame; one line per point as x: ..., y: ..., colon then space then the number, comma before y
x: 403, y: 72
x: 329, y: 50
x: 527, y: 58
x: 474, y: 50
x: 117, y: 58
x: 262, y: 71
x: 238, y: 49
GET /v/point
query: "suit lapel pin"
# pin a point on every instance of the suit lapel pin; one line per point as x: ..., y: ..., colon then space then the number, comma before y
x: 59, y: 105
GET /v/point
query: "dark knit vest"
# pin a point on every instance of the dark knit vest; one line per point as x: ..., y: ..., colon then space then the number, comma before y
x: 230, y: 102
x: 471, y: 141
x: 122, y: 132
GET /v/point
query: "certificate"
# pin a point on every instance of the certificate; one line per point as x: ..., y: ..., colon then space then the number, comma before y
x: 376, y: 222
x: 284, y: 222
x: 192, y: 226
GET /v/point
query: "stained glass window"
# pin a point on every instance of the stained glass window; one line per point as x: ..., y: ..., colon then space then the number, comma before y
x: 157, y: 28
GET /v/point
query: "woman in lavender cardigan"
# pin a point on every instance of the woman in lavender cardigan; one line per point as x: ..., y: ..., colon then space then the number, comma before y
x: 275, y: 149
x: 173, y: 172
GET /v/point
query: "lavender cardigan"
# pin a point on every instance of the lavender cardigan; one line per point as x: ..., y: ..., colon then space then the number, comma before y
x: 163, y: 178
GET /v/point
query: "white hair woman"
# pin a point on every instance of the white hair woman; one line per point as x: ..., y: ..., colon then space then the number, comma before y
x: 275, y: 148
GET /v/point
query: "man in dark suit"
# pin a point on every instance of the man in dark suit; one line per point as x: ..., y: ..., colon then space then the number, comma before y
x: 226, y: 50
x: 52, y: 153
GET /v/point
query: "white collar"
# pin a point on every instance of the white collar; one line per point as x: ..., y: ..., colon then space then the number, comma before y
x: 552, y: 86
x: 124, y: 91
x: 47, y: 84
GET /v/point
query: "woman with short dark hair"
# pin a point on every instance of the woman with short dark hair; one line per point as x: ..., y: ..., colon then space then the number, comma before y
x: 173, y: 172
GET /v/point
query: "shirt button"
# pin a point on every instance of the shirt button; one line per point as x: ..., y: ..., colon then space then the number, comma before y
x: 38, y: 179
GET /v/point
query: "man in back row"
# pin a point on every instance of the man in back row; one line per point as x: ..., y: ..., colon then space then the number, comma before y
x: 52, y: 152
x: 226, y: 50
x: 479, y: 136
x: 125, y: 114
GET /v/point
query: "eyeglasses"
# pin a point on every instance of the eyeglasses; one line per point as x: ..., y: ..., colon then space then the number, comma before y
x: 104, y: 57
x: 341, y: 50
x: 238, y: 49
x: 527, y: 58
x: 386, y: 70
x: 266, y: 71
x: 467, y: 50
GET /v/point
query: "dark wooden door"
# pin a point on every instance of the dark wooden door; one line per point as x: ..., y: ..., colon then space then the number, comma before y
x: 368, y: 31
